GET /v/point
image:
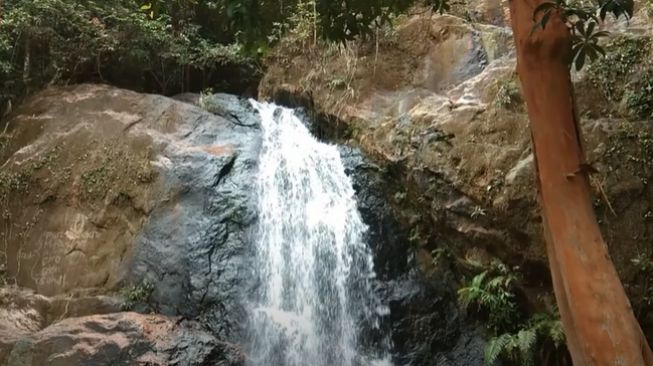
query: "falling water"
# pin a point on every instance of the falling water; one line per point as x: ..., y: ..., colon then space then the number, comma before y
x: 314, y: 267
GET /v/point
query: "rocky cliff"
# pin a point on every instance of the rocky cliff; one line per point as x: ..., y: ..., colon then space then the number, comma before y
x: 435, y: 100
x: 127, y: 235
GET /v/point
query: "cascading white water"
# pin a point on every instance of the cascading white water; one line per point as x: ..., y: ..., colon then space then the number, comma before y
x: 313, y: 265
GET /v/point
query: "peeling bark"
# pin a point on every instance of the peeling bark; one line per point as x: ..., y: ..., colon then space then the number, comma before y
x: 596, y: 314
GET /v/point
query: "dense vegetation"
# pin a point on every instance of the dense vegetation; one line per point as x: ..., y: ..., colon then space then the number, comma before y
x: 164, y: 46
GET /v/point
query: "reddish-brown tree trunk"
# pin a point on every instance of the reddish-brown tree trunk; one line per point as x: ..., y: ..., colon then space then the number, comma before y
x: 597, y: 317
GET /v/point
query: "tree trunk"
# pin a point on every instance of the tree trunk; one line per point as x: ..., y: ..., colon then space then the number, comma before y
x: 597, y: 317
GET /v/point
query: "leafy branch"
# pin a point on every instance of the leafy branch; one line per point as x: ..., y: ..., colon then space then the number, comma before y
x: 583, y: 23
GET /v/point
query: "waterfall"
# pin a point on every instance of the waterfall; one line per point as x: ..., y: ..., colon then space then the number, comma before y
x: 314, y: 268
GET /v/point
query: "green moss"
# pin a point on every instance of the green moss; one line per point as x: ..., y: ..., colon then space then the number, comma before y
x: 625, y: 75
x: 95, y: 182
x: 639, y: 96
x: 14, y: 182
x: 631, y: 149
x: 114, y: 168
x: 45, y: 160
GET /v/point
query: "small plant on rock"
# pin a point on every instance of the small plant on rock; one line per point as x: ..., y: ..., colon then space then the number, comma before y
x: 491, y: 293
x: 137, y: 294
x: 508, y: 96
x: 516, y: 337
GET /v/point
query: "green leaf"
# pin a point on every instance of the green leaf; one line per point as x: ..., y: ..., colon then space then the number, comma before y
x: 590, y: 28
x: 496, y: 347
x: 617, y: 8
x: 590, y: 52
x: 601, y: 34
x: 580, y: 59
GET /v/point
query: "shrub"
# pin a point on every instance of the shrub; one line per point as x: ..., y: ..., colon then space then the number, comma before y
x: 625, y: 56
x: 62, y: 41
x: 515, y: 336
x: 520, y: 347
x: 137, y: 294
x: 508, y: 95
x: 491, y: 292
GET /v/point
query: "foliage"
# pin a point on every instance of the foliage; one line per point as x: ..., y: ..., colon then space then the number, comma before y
x: 625, y: 73
x: 137, y: 294
x: 516, y: 336
x: 630, y: 150
x: 491, y: 292
x: 582, y: 21
x: 520, y: 347
x: 644, y: 267
x: 639, y: 96
x: 59, y: 41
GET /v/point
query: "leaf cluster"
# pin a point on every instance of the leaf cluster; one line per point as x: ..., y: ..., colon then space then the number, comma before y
x: 520, y: 347
x: 583, y: 22
x: 491, y: 292
x: 517, y: 337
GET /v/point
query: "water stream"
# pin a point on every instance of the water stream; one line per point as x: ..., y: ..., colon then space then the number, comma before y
x: 313, y: 266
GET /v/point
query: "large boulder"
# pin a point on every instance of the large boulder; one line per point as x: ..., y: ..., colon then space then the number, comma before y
x: 115, y: 200
x: 123, y: 339
x: 91, y: 172
x: 194, y: 245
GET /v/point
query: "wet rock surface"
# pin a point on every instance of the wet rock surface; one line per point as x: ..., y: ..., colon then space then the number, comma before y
x: 147, y: 204
x: 193, y: 247
x: 428, y: 328
x: 425, y: 324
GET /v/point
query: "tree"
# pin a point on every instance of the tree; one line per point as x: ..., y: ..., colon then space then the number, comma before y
x: 599, y: 323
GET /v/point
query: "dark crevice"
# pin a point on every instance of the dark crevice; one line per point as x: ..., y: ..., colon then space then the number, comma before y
x: 225, y: 170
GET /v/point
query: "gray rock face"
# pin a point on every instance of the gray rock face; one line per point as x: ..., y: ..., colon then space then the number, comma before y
x: 192, y: 247
x: 385, y: 237
x: 103, y: 188
x: 427, y: 326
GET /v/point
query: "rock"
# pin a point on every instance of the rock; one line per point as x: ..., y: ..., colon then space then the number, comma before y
x: 105, y: 189
x: 427, y: 326
x: 438, y: 104
x: 192, y: 247
x: 385, y: 235
x: 424, y: 324
x: 123, y: 339
x: 177, y: 182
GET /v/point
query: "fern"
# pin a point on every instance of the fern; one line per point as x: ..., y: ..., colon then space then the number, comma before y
x: 526, y: 342
x: 496, y: 347
x: 520, y: 347
x: 516, y: 339
x: 557, y: 334
x: 493, y: 295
